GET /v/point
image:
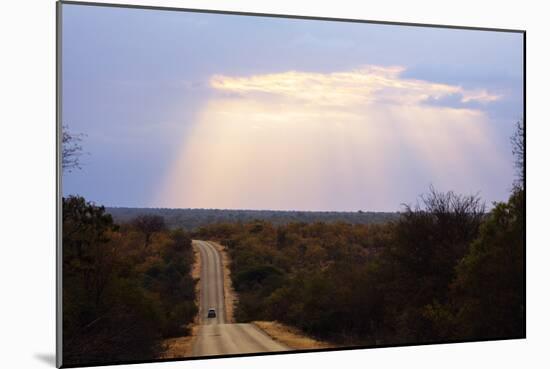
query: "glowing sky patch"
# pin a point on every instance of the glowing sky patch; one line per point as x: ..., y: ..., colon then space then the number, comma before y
x: 350, y: 140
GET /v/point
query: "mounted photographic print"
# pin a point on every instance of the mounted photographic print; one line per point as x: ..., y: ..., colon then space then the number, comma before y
x: 239, y: 184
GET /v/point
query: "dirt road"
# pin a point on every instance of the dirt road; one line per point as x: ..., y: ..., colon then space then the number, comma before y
x: 215, y: 336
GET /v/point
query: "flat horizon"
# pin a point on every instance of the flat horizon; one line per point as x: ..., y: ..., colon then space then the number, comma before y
x: 271, y: 210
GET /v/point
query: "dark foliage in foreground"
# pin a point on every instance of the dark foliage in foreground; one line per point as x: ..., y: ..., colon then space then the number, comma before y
x: 445, y: 270
x: 121, y: 299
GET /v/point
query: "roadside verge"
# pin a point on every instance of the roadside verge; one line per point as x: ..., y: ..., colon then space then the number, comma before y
x: 230, y: 297
x: 290, y: 336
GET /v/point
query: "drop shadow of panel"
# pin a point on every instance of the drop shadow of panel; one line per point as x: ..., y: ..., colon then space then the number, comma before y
x: 46, y: 358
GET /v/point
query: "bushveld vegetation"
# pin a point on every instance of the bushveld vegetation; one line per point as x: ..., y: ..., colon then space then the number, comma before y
x: 193, y: 219
x: 445, y: 270
x: 125, y: 288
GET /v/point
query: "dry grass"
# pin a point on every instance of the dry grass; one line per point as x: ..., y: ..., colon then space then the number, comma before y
x: 230, y: 297
x: 178, y: 347
x: 183, y: 346
x: 291, y: 337
x: 196, y: 274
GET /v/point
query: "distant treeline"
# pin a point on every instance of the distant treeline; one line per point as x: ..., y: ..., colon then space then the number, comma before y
x: 192, y: 219
x: 125, y: 288
x: 443, y: 271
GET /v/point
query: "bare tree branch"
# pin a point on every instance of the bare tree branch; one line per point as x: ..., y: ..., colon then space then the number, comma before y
x: 518, y: 149
x: 72, y: 150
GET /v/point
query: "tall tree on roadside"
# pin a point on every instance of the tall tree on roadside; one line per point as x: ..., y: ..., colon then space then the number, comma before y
x: 428, y: 241
x: 488, y: 294
x: 148, y: 225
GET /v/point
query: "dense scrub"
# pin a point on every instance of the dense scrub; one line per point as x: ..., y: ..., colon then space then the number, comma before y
x: 125, y: 288
x: 192, y: 219
x: 445, y: 270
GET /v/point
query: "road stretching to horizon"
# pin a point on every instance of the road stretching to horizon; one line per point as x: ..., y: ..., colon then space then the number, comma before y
x: 215, y: 336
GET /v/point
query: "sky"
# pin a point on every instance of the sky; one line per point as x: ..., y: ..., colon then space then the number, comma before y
x: 195, y: 110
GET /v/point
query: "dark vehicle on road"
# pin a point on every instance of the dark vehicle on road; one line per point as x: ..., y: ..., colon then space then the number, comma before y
x: 211, y: 313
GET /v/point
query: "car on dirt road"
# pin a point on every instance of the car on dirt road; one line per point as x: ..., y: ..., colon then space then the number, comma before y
x: 211, y: 313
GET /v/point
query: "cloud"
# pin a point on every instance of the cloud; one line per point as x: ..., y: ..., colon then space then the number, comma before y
x: 368, y: 84
x: 361, y: 139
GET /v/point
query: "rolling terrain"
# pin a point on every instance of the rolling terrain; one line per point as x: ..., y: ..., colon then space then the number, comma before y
x: 215, y: 336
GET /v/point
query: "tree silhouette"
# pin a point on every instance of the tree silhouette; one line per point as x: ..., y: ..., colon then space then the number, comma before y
x: 518, y: 149
x: 71, y: 150
x: 149, y: 224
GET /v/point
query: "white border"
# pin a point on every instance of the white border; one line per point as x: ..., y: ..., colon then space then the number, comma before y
x: 27, y: 154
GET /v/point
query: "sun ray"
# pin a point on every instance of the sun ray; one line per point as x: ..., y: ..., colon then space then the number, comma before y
x: 335, y: 141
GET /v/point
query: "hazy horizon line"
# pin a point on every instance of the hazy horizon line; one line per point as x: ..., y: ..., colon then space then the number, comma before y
x: 244, y: 209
